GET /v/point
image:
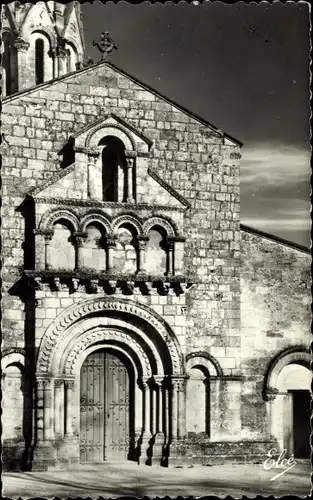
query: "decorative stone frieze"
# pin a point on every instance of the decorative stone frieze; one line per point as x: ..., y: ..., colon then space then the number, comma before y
x: 95, y: 282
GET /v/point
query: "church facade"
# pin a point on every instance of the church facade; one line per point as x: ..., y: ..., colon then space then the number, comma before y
x: 141, y: 321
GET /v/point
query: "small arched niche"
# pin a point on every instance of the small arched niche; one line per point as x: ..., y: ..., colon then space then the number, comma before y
x: 61, y: 248
x: 156, y: 251
x: 12, y: 402
x: 125, y: 254
x: 198, y: 401
x: 94, y: 249
x: 113, y: 168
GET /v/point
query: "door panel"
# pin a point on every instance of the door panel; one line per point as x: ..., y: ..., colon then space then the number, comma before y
x: 117, y: 409
x: 301, y: 423
x: 104, y: 408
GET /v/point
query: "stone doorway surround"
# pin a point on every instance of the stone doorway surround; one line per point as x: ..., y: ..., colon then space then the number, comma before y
x: 152, y: 348
x: 288, y: 371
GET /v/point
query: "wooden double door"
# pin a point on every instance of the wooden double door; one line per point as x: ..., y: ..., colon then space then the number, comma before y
x: 106, y: 407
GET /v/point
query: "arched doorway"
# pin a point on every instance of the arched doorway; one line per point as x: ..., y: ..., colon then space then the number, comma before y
x: 142, y: 384
x: 287, y: 391
x: 106, y: 407
x: 293, y: 384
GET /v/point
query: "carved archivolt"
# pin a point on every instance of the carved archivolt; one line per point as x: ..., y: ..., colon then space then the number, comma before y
x: 72, y: 364
x: 104, y: 129
x: 159, y: 221
x: 26, y: 31
x: 68, y: 339
x: 101, y: 219
x: 121, y: 306
x: 47, y: 221
x: 296, y: 354
x: 142, y: 229
x: 205, y: 360
x: 128, y: 219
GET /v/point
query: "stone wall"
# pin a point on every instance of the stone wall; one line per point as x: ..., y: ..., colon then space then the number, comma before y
x: 275, y: 315
x: 194, y: 159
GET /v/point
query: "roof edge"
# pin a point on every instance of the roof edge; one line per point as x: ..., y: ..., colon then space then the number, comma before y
x: 277, y: 239
x: 43, y: 85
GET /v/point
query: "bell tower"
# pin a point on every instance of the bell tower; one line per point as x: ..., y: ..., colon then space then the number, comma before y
x: 40, y: 42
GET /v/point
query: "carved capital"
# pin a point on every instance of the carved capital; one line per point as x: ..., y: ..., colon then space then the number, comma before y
x: 142, y: 242
x: 69, y: 384
x: 111, y: 240
x: 47, y: 236
x: 80, y: 238
x: 159, y: 381
x: 43, y: 383
x: 170, y: 244
x: 94, y: 286
x: 38, y: 283
x: 178, y: 384
x: 57, y: 283
x: 271, y: 394
x: 20, y: 45
x: 75, y: 284
x: 58, y: 382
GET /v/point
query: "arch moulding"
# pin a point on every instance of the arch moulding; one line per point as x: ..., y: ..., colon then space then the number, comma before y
x: 104, y: 129
x: 92, y: 330
x: 297, y: 354
x: 206, y: 360
x: 47, y: 221
x: 75, y: 313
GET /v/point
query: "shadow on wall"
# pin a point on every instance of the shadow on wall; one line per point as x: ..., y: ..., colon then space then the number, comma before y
x: 16, y: 417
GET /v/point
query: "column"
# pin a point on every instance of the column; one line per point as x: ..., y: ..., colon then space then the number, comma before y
x: 22, y: 68
x: 48, y: 410
x: 94, y: 178
x: 79, y: 242
x: 146, y: 410
x: 69, y: 386
x: 160, y: 406
x: 48, y: 237
x: 174, y: 411
x: 170, y: 256
x: 111, y: 242
x: 142, y: 244
x: 181, y: 428
x: 130, y: 164
x: 40, y: 251
x: 52, y: 55
x: 178, y: 407
x: 59, y: 407
x: 154, y: 409
x: 215, y: 416
x: 167, y: 425
x: 270, y: 398
x: 61, y: 54
x: 40, y: 383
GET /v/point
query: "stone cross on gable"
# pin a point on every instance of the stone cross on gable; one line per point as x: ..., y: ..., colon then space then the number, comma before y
x: 105, y: 44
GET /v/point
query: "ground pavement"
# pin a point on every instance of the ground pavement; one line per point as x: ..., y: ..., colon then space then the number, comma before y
x: 129, y: 479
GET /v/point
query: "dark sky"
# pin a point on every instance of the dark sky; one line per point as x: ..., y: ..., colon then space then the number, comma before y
x: 242, y: 67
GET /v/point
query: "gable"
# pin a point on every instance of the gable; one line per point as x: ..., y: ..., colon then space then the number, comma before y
x: 38, y: 17
x: 72, y: 27
x: 104, y: 73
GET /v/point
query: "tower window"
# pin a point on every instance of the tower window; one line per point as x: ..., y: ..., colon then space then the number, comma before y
x: 39, y: 62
